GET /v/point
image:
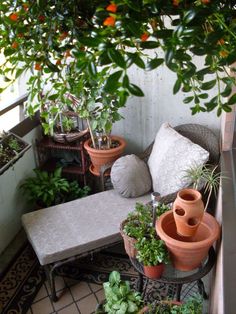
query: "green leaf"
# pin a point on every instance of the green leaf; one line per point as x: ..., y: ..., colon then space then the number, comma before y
x: 117, y: 58
x: 208, y: 85
x: 188, y: 99
x: 92, y: 69
x: 177, y: 86
x: 189, y: 16
x: 154, y: 63
x: 232, y: 100
x: 112, y: 82
x: 135, y: 90
x: 169, y: 56
x: 139, y: 61
x: 125, y: 81
x: 149, y: 44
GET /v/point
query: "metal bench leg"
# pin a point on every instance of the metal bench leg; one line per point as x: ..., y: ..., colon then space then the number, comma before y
x: 179, y: 288
x: 201, y: 289
x: 51, y: 280
x: 140, y: 283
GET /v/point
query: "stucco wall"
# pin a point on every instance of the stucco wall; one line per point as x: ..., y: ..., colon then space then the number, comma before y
x: 12, y: 203
x: 144, y: 115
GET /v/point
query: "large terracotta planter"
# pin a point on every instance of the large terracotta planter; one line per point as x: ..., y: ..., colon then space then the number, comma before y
x: 188, y: 209
x: 129, y: 243
x: 100, y: 157
x: 153, y: 272
x: 187, y: 253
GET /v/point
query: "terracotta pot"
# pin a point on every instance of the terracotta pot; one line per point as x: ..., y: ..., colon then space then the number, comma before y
x: 100, y: 157
x: 129, y: 243
x: 153, y: 272
x: 188, y: 211
x: 187, y: 253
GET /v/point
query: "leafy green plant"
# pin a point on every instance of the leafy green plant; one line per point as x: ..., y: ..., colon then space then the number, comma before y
x: 67, y: 124
x: 139, y: 222
x: 14, y: 145
x: 75, y: 191
x: 152, y: 251
x: 46, y: 189
x: 119, y: 298
x: 193, y: 305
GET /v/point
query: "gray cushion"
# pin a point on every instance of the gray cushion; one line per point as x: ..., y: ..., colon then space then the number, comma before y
x: 130, y: 176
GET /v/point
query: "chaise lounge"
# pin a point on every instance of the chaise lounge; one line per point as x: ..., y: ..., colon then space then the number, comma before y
x: 62, y: 233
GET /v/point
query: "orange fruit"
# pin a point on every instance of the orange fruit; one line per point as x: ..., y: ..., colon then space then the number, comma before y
x: 67, y: 53
x: 175, y: 3
x: 37, y: 66
x: 63, y: 35
x: 112, y: 8
x: 109, y: 21
x: 14, y: 45
x: 220, y: 41
x: 144, y: 36
x: 206, y: 1
x: 224, y: 53
x: 58, y: 62
x: 13, y: 17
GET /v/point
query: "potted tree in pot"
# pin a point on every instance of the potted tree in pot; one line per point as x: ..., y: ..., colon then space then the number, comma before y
x: 153, y: 254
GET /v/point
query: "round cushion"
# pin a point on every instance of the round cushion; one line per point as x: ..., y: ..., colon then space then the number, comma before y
x: 130, y: 176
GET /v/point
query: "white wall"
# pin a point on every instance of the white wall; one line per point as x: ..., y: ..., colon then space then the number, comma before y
x: 12, y: 203
x: 144, y: 115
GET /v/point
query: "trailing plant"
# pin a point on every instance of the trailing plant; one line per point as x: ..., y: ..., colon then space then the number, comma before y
x: 152, y: 251
x: 119, y: 298
x: 85, y: 49
x: 49, y: 188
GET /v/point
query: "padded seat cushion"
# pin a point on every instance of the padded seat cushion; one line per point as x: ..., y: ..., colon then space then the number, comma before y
x: 79, y: 226
x: 171, y: 156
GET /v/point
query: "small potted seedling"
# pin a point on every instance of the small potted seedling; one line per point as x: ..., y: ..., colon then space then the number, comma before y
x: 153, y: 254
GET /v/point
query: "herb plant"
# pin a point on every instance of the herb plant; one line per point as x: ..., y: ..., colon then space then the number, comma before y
x: 139, y: 222
x: 152, y: 251
x: 119, y: 298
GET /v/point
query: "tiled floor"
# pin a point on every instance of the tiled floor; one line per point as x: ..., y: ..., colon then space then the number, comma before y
x: 74, y: 297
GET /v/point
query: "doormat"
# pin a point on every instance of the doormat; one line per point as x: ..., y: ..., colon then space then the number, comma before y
x: 21, y: 283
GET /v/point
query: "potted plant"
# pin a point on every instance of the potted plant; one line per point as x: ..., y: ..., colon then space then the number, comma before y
x: 119, y: 298
x: 153, y: 254
x: 48, y: 189
x: 193, y: 305
x: 66, y: 130
x: 188, y: 207
x: 12, y: 147
x: 138, y: 224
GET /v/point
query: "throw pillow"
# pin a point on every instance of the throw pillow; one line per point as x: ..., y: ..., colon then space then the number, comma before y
x: 130, y: 176
x: 171, y: 156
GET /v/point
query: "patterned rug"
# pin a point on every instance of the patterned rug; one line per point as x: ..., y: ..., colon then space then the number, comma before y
x: 20, y: 285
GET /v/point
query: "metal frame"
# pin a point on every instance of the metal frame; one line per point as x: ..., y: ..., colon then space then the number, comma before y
x: 179, y: 281
x: 50, y: 269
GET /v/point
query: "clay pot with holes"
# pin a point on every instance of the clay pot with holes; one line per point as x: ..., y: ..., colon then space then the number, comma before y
x: 188, y: 210
x: 188, y: 253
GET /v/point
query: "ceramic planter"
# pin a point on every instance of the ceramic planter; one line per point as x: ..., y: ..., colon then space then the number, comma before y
x: 100, y: 157
x: 129, y: 243
x: 187, y: 253
x: 188, y: 209
x: 153, y: 272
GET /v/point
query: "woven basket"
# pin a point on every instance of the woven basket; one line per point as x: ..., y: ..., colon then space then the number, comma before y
x: 128, y: 242
x: 69, y: 137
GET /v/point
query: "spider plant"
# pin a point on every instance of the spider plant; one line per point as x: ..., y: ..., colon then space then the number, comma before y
x: 207, y: 177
